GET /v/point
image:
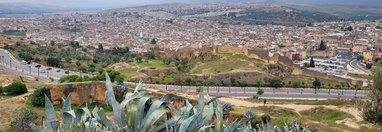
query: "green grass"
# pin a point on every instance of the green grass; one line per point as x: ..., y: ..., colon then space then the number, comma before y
x: 227, y: 63
x: 153, y: 63
x: 280, y: 116
x: 131, y: 73
x: 322, y: 114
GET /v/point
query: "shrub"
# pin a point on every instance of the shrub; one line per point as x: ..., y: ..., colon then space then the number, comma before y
x: 1, y: 90
x: 23, y: 119
x: 16, y: 88
x: 275, y: 82
x: 260, y: 91
x: 71, y: 78
x: 37, y: 98
x: 296, y: 84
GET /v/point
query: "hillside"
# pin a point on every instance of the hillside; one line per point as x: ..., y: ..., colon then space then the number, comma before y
x: 262, y: 13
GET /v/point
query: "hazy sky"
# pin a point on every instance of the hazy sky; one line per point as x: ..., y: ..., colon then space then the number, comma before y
x: 123, y: 3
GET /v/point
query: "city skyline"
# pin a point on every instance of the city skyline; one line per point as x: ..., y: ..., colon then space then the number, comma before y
x: 129, y: 3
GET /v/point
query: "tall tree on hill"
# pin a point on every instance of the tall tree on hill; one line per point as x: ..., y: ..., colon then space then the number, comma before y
x: 311, y: 64
x: 372, y: 112
x: 322, y: 46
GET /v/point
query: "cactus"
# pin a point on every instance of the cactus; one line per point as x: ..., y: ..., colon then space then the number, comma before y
x: 133, y: 114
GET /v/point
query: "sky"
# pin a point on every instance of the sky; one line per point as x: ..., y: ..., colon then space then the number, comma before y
x: 125, y: 3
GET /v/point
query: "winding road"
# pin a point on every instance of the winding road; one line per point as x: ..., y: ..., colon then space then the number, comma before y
x: 10, y: 64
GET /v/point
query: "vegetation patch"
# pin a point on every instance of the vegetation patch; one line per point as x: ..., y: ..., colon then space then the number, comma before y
x: 322, y: 114
x: 14, y: 33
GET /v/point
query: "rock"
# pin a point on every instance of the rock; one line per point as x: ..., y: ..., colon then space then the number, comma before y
x: 82, y: 92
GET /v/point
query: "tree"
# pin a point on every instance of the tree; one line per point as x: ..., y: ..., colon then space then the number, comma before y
x: 54, y: 62
x: 26, y: 56
x: 322, y: 46
x: 138, y: 59
x: 372, y: 111
x: 233, y: 81
x: 37, y: 98
x: 153, y: 41
x: 350, y: 28
x: 23, y: 119
x: 275, y: 82
x: 100, y: 47
x: 311, y: 64
x: 369, y: 65
x: 316, y: 84
x: 260, y: 92
x: 259, y: 83
x: 16, y: 88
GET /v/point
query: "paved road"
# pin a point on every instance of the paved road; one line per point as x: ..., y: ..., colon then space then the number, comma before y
x: 356, y: 65
x: 272, y: 93
x: 9, y: 64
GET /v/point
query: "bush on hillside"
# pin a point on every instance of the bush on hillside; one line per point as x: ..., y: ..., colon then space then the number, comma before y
x: 16, y: 88
x: 275, y: 82
x: 38, y: 98
x: 23, y: 119
x: 71, y: 78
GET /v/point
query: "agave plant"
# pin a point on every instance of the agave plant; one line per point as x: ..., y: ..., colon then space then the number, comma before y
x: 140, y: 112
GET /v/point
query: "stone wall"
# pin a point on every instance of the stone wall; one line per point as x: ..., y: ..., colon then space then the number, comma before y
x: 327, y: 53
x: 82, y: 92
x: 259, y: 54
x: 231, y: 50
x: 324, y: 75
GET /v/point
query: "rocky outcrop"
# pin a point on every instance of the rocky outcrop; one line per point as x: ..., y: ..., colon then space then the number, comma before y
x: 82, y: 92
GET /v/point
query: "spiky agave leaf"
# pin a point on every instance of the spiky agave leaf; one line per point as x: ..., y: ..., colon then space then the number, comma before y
x: 219, y: 117
x: 100, y: 115
x: 68, y: 115
x: 81, y: 113
x: 50, y: 114
x: 152, y: 118
x: 204, y: 128
x: 141, y: 109
x: 131, y: 114
x: 232, y: 127
x: 201, y: 100
x: 208, y: 113
x: 130, y: 97
x: 156, y: 105
x: 110, y: 97
x: 171, y: 122
x: 184, y: 125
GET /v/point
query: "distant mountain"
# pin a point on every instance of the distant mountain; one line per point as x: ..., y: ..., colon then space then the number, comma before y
x: 26, y: 8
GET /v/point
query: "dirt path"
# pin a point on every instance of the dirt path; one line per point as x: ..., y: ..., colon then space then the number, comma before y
x: 298, y: 108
